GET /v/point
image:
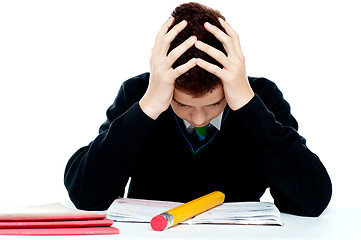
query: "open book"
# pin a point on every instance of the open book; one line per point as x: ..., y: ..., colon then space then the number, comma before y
x: 250, y: 213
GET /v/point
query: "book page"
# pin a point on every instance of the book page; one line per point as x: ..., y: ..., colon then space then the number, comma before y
x: 136, y: 210
x: 241, y: 213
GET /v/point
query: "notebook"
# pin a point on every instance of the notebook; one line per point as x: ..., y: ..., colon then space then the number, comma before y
x: 54, y: 219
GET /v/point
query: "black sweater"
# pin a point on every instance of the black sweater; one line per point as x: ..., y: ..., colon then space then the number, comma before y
x: 257, y: 147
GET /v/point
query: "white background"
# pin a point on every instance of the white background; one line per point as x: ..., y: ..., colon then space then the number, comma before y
x: 62, y: 63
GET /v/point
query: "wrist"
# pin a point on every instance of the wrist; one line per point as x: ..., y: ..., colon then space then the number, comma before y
x: 148, y: 108
x: 239, y: 96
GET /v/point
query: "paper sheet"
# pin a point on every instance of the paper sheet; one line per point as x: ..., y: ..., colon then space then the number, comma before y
x: 136, y: 210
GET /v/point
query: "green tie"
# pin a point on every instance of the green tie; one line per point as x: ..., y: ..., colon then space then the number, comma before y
x: 201, y: 132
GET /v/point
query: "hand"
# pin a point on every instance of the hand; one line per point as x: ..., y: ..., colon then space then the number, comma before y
x: 162, y: 76
x: 233, y: 75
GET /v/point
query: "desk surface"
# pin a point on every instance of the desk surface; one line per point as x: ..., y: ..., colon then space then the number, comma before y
x: 332, y: 224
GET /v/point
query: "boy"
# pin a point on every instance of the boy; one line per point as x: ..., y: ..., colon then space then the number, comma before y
x: 195, y: 124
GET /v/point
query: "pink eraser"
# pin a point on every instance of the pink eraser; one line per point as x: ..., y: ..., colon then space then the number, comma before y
x: 159, y: 223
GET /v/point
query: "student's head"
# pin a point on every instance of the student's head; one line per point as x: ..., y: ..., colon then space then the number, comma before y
x: 198, y: 95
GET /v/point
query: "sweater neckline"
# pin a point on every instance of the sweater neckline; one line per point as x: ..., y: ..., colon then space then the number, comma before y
x: 195, y: 146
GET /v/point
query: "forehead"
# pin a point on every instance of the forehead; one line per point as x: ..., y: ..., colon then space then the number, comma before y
x: 210, y: 98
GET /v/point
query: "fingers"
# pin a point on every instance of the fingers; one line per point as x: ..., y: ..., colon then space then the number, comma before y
x: 163, y: 30
x: 167, y: 39
x: 218, y: 55
x: 222, y: 37
x: 178, y: 51
x: 233, y: 34
x: 214, y: 69
x: 184, y: 68
x: 230, y: 40
x: 229, y: 30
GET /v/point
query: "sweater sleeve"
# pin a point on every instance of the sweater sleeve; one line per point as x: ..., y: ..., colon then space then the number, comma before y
x: 97, y: 174
x: 299, y: 183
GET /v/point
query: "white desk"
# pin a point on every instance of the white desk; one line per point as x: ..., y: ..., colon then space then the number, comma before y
x: 333, y: 224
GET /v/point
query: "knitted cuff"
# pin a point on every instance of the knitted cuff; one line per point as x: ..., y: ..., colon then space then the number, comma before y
x: 254, y: 112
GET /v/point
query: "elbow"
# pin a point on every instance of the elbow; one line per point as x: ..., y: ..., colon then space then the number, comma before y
x: 86, y: 201
x: 309, y: 210
x: 321, y: 203
x: 88, y: 204
x: 318, y: 202
x: 318, y: 196
x: 313, y: 212
x: 312, y: 204
x: 74, y: 192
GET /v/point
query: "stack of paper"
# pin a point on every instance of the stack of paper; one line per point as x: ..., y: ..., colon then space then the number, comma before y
x: 250, y: 213
x: 53, y: 219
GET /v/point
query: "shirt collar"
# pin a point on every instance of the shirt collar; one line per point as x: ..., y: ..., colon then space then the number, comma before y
x: 216, y: 122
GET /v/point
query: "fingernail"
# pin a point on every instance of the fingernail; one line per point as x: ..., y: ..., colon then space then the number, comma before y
x: 184, y: 22
x: 207, y: 24
x: 199, y: 44
x: 192, y: 39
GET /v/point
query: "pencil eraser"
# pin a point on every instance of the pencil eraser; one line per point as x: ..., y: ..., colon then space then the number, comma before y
x: 158, y: 223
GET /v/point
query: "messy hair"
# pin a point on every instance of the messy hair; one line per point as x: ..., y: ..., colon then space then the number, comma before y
x: 196, y: 81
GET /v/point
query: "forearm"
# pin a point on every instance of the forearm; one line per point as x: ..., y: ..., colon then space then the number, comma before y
x: 299, y: 182
x: 97, y: 174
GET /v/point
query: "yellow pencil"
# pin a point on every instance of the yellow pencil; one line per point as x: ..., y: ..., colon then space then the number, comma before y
x: 187, y: 210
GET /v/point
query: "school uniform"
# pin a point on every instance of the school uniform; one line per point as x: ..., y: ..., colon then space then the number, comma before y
x: 249, y: 150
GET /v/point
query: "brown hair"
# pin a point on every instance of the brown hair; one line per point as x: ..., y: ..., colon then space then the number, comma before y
x: 196, y: 81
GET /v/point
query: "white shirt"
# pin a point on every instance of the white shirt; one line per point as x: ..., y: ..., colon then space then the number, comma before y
x: 216, y: 122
